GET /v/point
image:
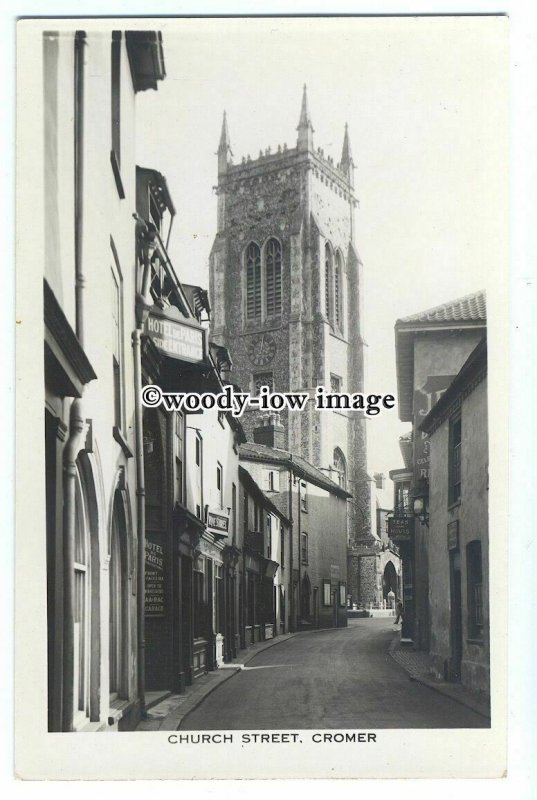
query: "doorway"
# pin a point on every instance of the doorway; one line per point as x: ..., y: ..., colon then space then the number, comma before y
x: 454, y: 669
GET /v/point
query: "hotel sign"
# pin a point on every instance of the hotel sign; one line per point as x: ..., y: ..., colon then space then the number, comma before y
x: 178, y: 339
x: 217, y: 521
x: 400, y: 529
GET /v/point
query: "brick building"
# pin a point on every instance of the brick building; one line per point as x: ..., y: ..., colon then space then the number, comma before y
x: 286, y: 293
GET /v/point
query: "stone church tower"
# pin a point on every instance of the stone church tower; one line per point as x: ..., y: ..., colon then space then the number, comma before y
x: 286, y: 295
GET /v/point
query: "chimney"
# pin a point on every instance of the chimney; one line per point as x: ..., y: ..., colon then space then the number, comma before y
x: 271, y: 431
x: 379, y: 479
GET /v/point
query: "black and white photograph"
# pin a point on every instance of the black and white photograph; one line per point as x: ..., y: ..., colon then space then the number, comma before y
x: 267, y: 262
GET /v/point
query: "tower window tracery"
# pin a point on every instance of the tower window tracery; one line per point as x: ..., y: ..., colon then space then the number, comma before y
x: 263, y: 281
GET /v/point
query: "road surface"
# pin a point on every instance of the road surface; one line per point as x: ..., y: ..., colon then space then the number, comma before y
x: 342, y: 678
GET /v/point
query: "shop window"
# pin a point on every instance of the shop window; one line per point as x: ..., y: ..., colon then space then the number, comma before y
x: 474, y: 569
x: 218, y: 599
x: 304, y: 548
x: 455, y: 447
x: 200, y: 595
x: 327, y: 593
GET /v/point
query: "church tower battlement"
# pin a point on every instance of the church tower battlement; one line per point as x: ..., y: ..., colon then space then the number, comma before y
x: 286, y: 295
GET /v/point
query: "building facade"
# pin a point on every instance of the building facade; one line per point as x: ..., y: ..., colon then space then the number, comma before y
x: 431, y: 347
x: 90, y: 385
x: 458, y: 525
x: 314, y: 591
x: 286, y: 292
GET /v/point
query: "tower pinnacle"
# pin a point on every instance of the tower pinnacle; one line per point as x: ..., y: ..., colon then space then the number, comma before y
x: 224, y: 148
x: 347, y: 163
x: 305, y: 128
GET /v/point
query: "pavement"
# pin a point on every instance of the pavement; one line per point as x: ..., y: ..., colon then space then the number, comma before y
x: 419, y: 667
x: 353, y: 677
x: 168, y: 714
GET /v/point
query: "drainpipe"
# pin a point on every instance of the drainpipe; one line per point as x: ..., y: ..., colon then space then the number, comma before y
x: 143, y: 304
x: 76, y: 416
x: 299, y: 555
x: 292, y: 597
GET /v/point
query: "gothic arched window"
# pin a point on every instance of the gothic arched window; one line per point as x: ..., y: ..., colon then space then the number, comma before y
x: 338, y: 292
x: 273, y: 274
x: 328, y: 282
x: 340, y: 465
x: 253, y: 282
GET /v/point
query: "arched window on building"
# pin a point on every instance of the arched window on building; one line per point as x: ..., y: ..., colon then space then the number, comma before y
x: 253, y: 282
x: 119, y: 598
x: 273, y: 275
x: 82, y: 609
x: 328, y: 280
x: 338, y: 292
x: 340, y: 466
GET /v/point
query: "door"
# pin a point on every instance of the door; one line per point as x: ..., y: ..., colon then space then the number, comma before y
x: 456, y: 615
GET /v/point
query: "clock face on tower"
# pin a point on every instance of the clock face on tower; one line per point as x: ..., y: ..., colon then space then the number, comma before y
x: 261, y: 349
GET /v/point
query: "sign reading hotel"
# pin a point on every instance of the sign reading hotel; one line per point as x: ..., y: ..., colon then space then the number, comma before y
x: 175, y: 338
x: 155, y: 603
x: 217, y: 521
x: 400, y: 529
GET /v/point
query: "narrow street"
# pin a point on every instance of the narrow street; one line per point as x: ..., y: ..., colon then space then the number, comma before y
x: 341, y: 678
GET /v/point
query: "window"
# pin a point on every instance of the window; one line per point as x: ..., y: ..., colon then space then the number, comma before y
x: 474, y: 570
x: 270, y: 480
x: 335, y: 383
x: 338, y: 292
x: 342, y: 594
x: 328, y: 282
x: 200, y: 594
x: 178, y: 444
x: 115, y: 153
x: 340, y: 466
x: 81, y: 659
x: 303, y: 496
x: 118, y: 599
x: 327, y: 593
x: 263, y: 281
x: 304, y: 548
x: 273, y: 261
x: 233, y: 523
x: 245, y: 514
x: 455, y: 443
x: 198, y: 450
x: 263, y: 379
x: 253, y: 282
x: 198, y: 477
x: 282, y: 547
x: 117, y: 342
x: 268, y: 529
x: 219, y: 624
x: 220, y: 484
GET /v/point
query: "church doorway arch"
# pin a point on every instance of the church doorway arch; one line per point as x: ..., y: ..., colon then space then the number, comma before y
x: 389, y: 580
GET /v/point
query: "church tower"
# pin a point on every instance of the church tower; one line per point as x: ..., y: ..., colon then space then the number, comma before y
x: 286, y: 294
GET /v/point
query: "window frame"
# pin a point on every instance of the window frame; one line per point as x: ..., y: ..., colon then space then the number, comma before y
x: 455, y: 460
x: 115, y: 109
x: 263, y: 282
x: 304, y: 548
x: 474, y: 581
x: 327, y: 585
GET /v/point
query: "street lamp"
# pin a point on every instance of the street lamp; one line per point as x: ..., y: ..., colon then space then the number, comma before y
x: 420, y: 501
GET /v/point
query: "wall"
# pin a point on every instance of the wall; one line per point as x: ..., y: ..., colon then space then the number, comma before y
x: 472, y: 514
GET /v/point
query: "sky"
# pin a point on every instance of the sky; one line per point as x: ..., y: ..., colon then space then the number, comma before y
x: 426, y: 107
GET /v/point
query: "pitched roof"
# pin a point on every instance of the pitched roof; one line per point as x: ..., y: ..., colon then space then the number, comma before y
x: 250, y: 451
x: 468, y: 308
x: 468, y: 313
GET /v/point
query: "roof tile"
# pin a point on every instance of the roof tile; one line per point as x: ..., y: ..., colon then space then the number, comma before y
x: 470, y: 307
